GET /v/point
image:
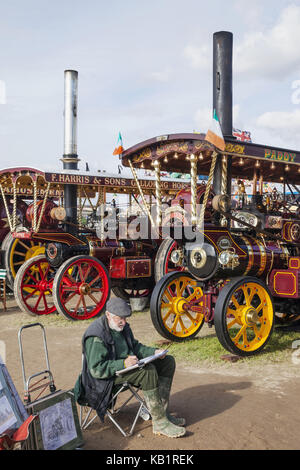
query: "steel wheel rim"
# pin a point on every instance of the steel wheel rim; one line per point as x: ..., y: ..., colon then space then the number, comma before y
x: 181, y: 309
x: 36, y: 288
x: 83, y: 289
x: 249, y: 317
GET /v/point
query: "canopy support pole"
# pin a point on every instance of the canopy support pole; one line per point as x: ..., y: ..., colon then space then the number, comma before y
x: 193, y: 160
x: 141, y: 194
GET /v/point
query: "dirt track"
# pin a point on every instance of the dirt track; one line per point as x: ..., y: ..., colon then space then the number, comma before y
x: 231, y: 406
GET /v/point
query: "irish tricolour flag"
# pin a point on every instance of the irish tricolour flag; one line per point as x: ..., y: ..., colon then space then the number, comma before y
x: 214, y: 134
x: 119, y: 148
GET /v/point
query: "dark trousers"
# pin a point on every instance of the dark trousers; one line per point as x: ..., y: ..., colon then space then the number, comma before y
x: 148, y: 377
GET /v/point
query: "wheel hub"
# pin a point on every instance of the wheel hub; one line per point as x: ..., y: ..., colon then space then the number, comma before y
x: 34, y: 251
x: 178, y: 306
x: 251, y: 316
x: 85, y: 289
x: 42, y: 286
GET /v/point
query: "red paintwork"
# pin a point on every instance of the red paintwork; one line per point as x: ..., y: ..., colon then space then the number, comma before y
x: 47, y: 221
x: 117, y: 268
x: 128, y: 268
x: 285, y: 283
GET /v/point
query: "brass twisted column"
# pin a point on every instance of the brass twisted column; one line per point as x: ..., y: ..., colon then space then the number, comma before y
x: 34, y: 205
x: 6, y: 208
x: 194, y: 160
x: 43, y: 208
x: 14, y: 221
x: 141, y: 194
x: 208, y: 185
x: 157, y: 192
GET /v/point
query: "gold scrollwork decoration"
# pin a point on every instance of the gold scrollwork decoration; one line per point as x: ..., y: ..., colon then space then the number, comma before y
x: 142, y: 156
x: 231, y: 148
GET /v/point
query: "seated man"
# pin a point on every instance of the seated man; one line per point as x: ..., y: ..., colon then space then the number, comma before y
x: 109, y: 346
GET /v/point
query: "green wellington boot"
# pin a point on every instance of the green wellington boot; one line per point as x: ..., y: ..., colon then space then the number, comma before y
x: 161, y: 424
x: 164, y: 387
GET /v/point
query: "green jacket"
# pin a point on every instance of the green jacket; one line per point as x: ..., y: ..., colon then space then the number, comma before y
x: 99, y: 364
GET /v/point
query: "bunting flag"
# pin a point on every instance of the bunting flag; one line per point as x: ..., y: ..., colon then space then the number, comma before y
x: 119, y: 148
x: 214, y: 134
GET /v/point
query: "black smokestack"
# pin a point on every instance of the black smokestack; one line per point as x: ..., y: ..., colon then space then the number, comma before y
x: 222, y: 97
x: 222, y: 79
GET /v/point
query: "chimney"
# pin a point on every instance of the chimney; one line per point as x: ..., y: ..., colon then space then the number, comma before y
x: 222, y: 97
x: 70, y: 158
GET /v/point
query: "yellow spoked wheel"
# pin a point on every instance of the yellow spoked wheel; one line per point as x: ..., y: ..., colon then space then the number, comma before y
x: 177, y: 307
x: 244, y: 316
x: 17, y: 252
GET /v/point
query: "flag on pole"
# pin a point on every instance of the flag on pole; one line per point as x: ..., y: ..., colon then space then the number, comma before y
x: 243, y: 136
x: 119, y: 148
x: 214, y: 134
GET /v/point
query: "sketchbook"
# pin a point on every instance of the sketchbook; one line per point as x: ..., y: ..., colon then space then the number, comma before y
x: 142, y: 362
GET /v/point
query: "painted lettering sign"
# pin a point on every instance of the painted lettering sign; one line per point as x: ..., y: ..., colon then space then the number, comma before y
x: 280, y: 156
x: 113, y: 182
x: 233, y: 148
x: 29, y: 192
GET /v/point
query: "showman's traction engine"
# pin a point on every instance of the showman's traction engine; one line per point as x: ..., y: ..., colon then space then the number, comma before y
x: 236, y: 259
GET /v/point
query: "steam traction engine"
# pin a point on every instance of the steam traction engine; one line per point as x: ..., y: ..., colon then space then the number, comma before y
x: 75, y: 265
x: 71, y: 267
x: 237, y: 261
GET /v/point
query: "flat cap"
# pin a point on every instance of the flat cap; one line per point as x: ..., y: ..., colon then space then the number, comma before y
x: 119, y: 307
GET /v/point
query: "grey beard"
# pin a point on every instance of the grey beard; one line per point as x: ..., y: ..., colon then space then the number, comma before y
x: 113, y: 326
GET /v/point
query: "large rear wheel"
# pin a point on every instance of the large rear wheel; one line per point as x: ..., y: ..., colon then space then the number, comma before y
x: 244, y: 316
x: 177, y: 307
x: 81, y: 288
x: 16, y: 253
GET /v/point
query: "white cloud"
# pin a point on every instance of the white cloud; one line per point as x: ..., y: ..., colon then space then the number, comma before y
x: 283, y: 124
x: 273, y: 53
x: 162, y: 76
x: 203, y: 119
x: 253, y: 12
x: 198, y: 56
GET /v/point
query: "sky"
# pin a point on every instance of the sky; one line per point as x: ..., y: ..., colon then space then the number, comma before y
x: 145, y: 69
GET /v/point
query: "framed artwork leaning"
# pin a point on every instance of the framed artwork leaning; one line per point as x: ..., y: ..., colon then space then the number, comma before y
x: 57, y: 426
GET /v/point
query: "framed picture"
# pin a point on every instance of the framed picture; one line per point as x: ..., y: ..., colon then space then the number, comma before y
x: 12, y: 410
x: 57, y: 426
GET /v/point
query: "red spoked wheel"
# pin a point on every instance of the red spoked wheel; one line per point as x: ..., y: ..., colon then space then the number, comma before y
x: 33, y: 287
x: 81, y: 288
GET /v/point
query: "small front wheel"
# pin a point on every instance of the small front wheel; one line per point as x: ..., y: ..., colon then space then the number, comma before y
x: 81, y: 288
x: 33, y: 286
x: 177, y: 307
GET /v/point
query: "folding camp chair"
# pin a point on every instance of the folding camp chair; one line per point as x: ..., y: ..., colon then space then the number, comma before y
x: 113, y: 410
